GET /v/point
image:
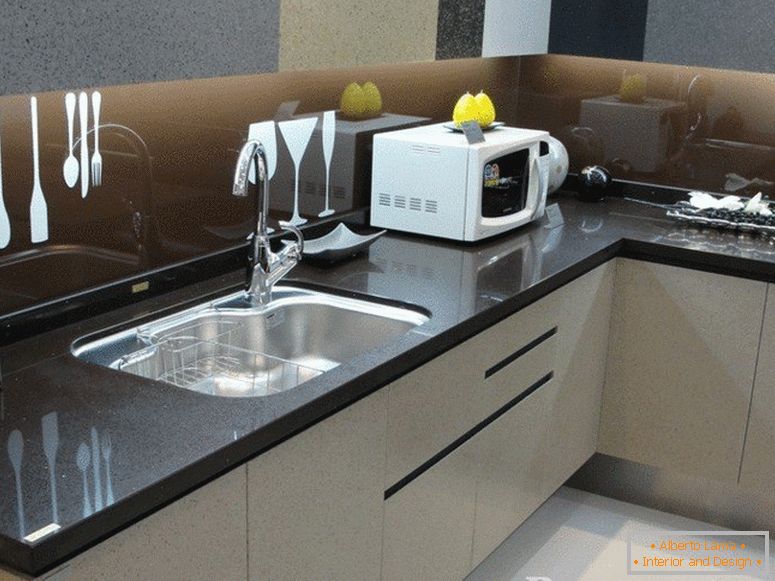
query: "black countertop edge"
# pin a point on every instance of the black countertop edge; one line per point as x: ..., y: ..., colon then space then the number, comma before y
x: 698, y: 260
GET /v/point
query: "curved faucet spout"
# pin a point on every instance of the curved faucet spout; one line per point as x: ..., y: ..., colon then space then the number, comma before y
x: 265, y: 268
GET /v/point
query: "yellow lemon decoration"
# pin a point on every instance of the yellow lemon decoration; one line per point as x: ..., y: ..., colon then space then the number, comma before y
x: 466, y: 109
x: 486, y: 109
x: 470, y: 108
x: 361, y: 102
x: 633, y: 88
x: 353, y: 101
x: 373, y: 99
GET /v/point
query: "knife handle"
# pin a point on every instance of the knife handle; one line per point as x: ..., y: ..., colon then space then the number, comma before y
x: 83, y: 114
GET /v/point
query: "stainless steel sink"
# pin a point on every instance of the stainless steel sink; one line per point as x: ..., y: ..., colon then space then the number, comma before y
x: 232, y: 348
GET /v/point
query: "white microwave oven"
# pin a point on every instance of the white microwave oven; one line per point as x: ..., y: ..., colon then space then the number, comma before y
x: 429, y: 180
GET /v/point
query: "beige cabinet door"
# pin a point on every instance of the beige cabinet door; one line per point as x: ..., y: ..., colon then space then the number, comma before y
x: 434, y: 405
x: 681, y: 361
x: 429, y: 522
x: 758, y: 470
x: 573, y: 406
x: 315, y: 501
x: 197, y: 538
x: 510, y: 483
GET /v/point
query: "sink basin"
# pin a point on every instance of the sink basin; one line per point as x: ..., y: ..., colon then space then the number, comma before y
x: 232, y: 348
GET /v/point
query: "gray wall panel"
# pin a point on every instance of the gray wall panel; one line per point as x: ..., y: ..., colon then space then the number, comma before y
x: 54, y: 45
x: 461, y: 26
x: 712, y: 33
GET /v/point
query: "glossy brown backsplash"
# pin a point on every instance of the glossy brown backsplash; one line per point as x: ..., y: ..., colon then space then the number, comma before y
x: 169, y: 150
x: 696, y: 128
x: 168, y: 154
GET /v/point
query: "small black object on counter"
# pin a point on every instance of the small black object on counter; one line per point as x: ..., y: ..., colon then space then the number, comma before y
x: 594, y: 181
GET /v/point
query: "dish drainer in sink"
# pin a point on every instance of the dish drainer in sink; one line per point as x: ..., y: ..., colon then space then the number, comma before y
x: 211, y: 363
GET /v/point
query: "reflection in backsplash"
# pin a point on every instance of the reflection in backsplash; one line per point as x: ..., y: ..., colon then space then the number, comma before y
x: 670, y: 125
x: 91, y: 458
x: 167, y: 155
x: 168, y: 151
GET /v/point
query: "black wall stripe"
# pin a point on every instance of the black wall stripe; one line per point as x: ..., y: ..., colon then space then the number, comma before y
x: 599, y: 28
x: 467, y: 436
x: 519, y: 353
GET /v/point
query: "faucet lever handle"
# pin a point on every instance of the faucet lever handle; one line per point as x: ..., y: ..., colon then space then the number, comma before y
x: 288, y: 227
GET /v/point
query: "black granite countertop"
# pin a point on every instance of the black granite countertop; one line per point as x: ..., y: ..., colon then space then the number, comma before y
x: 167, y: 441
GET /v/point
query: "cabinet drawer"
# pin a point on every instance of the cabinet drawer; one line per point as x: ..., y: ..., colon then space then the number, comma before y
x: 491, y: 477
x: 439, y: 402
x: 429, y: 523
x: 518, y: 371
x: 511, y: 469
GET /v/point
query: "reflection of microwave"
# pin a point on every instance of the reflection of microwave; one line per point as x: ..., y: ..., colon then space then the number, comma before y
x: 430, y: 180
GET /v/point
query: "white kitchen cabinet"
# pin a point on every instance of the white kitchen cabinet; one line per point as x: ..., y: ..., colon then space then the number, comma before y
x: 680, y: 371
x: 199, y: 537
x: 534, y: 448
x: 510, y: 482
x: 429, y: 522
x: 429, y: 408
x: 439, y: 402
x: 758, y: 470
x: 315, y: 502
x: 573, y: 407
x: 519, y: 445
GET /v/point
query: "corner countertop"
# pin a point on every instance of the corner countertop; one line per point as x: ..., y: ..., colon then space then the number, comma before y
x: 168, y: 441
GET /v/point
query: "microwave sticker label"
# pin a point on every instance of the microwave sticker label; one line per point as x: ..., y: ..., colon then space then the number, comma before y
x: 492, y: 174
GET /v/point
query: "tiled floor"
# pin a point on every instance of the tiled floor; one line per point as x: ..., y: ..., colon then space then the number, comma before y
x: 580, y: 536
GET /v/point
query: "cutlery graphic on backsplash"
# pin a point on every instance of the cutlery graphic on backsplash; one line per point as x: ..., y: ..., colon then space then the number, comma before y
x: 96, y: 158
x: 50, y: 428
x: 70, y: 168
x: 38, y: 207
x: 328, y: 134
x: 107, y: 452
x: 5, y: 223
x: 15, y: 455
x: 83, y: 119
x: 82, y: 459
x: 95, y: 462
x: 297, y: 134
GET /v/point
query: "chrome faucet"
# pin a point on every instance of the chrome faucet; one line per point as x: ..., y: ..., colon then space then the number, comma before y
x: 265, y: 267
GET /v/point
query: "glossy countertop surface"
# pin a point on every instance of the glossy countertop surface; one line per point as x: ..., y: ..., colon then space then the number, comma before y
x: 153, y: 442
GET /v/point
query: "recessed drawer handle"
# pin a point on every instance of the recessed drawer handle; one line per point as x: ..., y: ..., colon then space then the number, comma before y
x: 519, y: 353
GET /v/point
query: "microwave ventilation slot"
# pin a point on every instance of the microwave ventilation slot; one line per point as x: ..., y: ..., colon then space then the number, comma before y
x: 416, y: 148
x: 413, y: 203
x: 434, y: 150
x: 338, y: 192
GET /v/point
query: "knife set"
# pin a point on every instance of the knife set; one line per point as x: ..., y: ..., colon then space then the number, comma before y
x: 89, y: 171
